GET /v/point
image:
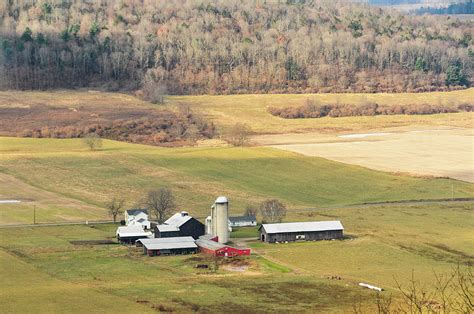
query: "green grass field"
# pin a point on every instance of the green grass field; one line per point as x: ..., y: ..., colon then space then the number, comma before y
x: 43, y: 262
x: 68, y: 170
x: 385, y: 242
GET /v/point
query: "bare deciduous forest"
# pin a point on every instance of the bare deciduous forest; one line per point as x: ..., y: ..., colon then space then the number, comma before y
x: 224, y: 47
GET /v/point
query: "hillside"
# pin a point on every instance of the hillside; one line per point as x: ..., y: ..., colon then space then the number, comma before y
x: 221, y: 47
x: 196, y: 175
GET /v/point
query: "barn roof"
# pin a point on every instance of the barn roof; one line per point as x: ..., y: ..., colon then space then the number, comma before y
x: 167, y: 228
x: 178, y: 219
x: 209, y: 244
x: 166, y: 240
x: 132, y: 231
x: 170, y: 245
x: 242, y: 218
x: 303, y: 226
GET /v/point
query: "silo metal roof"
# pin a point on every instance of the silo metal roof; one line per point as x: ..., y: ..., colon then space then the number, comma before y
x: 221, y: 200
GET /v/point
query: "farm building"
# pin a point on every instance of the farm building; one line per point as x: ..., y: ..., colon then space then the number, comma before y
x: 130, y: 234
x: 168, y: 246
x: 208, y: 246
x: 166, y: 231
x: 242, y: 221
x: 180, y: 225
x: 137, y: 217
x: 301, y: 231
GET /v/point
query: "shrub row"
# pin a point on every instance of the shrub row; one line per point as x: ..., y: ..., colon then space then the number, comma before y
x: 312, y: 110
x: 145, y: 131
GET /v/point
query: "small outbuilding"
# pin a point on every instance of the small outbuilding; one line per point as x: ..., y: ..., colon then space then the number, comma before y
x: 132, y: 233
x: 166, y: 231
x: 218, y: 249
x: 243, y: 221
x: 301, y: 231
x: 168, y: 246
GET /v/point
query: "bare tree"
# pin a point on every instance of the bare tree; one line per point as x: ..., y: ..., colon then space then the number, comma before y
x: 452, y: 292
x: 153, y: 91
x: 463, y: 286
x: 239, y: 134
x: 160, y: 202
x: 272, y: 211
x: 115, y: 206
x: 250, y: 210
x: 384, y: 303
x: 92, y: 141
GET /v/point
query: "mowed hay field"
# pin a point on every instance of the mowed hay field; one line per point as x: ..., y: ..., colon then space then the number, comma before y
x: 440, y: 152
x: 196, y: 175
x: 227, y: 110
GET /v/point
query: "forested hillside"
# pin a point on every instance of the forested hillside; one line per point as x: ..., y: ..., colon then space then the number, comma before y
x: 230, y: 46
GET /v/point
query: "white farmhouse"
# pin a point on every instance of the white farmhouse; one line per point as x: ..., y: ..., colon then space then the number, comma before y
x: 139, y: 217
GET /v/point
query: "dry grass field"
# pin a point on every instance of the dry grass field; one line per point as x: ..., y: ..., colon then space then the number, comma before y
x: 436, y: 152
x: 227, y: 110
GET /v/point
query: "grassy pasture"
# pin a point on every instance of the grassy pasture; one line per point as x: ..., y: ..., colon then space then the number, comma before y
x: 25, y: 288
x: 252, y: 109
x: 197, y: 175
x: 386, y: 242
x: 95, y: 275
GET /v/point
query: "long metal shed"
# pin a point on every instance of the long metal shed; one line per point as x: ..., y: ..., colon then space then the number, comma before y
x: 168, y: 246
x: 301, y: 231
x: 129, y: 234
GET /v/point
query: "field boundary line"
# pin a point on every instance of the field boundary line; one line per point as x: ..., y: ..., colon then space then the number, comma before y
x: 57, y: 224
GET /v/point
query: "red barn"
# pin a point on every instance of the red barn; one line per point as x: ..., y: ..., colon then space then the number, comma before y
x: 221, y: 250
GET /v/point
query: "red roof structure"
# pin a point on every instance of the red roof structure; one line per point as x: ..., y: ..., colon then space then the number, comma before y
x: 217, y: 249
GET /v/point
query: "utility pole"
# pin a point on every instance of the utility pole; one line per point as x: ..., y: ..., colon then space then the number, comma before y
x: 34, y: 214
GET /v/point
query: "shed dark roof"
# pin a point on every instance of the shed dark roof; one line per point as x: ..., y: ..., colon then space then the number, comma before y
x: 133, y: 212
x: 242, y: 218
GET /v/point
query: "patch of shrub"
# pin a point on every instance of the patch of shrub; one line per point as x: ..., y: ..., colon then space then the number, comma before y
x: 312, y: 110
x: 168, y: 128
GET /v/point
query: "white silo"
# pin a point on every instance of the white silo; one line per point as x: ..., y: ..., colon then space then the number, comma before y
x: 221, y: 208
x: 213, y: 220
x: 208, y: 225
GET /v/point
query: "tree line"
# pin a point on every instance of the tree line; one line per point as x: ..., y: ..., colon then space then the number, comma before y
x: 231, y: 46
x: 455, y: 8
